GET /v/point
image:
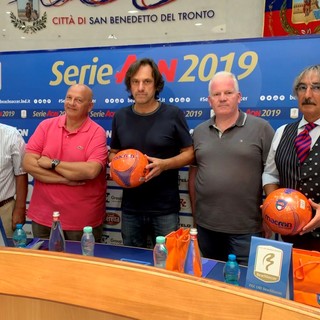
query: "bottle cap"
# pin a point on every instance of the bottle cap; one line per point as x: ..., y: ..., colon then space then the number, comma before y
x: 160, y: 239
x: 87, y: 229
x: 193, y: 231
x: 232, y: 257
x: 56, y: 214
x: 19, y: 225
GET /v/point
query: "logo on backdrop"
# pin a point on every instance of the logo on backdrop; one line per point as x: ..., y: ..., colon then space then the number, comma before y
x: 112, y: 218
x: 28, y: 18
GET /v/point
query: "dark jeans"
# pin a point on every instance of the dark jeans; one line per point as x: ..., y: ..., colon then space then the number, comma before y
x: 40, y: 231
x: 217, y: 245
x: 138, y: 228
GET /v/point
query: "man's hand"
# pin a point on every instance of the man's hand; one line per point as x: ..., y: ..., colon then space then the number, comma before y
x: 18, y: 216
x: 155, y: 167
x: 266, y: 230
x: 315, y: 221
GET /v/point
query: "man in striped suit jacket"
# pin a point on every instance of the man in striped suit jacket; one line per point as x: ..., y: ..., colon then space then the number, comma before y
x: 287, y: 167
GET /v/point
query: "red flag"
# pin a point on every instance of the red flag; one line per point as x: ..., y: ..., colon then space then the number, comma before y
x: 291, y: 17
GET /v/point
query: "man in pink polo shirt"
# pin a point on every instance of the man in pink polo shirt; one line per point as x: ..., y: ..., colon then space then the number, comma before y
x: 67, y: 156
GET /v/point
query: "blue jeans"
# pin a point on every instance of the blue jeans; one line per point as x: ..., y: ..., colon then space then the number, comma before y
x: 137, y: 229
x: 217, y: 245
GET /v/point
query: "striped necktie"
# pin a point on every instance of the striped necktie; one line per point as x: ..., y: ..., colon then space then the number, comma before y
x: 303, y: 142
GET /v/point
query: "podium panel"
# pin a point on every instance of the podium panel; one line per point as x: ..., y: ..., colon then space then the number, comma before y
x: 52, y: 286
x: 14, y: 307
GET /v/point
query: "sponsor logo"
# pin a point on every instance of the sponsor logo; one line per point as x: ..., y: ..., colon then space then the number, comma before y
x: 45, y: 114
x: 124, y: 156
x: 281, y: 204
x: 112, y: 219
x: 185, y: 225
x: 104, y: 238
x: 268, y: 264
x: 116, y: 241
x: 280, y: 224
x: 182, y: 179
x: 111, y: 198
x: 183, y: 203
x: 102, y: 114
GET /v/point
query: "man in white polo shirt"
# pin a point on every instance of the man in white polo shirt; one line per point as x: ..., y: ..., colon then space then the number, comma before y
x: 13, y: 179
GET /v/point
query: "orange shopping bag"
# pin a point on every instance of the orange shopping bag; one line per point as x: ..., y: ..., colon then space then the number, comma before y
x: 177, y: 243
x: 306, y: 276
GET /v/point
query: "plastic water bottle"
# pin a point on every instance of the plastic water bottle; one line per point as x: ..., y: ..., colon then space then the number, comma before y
x: 231, y: 270
x: 87, y: 242
x: 19, y: 236
x: 57, y: 241
x: 193, y: 263
x: 160, y: 253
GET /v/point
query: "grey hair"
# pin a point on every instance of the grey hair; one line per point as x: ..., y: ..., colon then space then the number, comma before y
x: 224, y: 74
x: 310, y: 69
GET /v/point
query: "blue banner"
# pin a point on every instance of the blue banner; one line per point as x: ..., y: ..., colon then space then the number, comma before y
x: 33, y: 84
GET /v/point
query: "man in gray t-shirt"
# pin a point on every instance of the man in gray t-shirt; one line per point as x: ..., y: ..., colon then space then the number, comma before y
x: 225, y: 183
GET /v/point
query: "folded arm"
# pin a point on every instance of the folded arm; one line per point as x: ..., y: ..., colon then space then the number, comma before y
x: 76, y: 171
x: 31, y: 165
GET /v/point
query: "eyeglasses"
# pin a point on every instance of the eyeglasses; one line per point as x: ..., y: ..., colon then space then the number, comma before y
x: 302, y: 88
x: 228, y: 94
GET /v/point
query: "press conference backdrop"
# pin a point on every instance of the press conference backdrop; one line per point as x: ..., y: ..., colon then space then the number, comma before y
x: 33, y: 85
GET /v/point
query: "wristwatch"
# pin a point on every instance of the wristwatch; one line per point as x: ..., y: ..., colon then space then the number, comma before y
x: 54, y: 163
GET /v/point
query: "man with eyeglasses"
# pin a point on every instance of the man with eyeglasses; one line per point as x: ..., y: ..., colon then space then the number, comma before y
x: 161, y: 132
x: 289, y: 166
x: 225, y: 182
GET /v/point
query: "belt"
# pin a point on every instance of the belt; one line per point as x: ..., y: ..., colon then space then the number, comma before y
x: 3, y: 202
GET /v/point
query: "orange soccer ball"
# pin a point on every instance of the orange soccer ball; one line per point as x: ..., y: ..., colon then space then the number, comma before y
x: 128, y: 168
x: 286, y: 211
